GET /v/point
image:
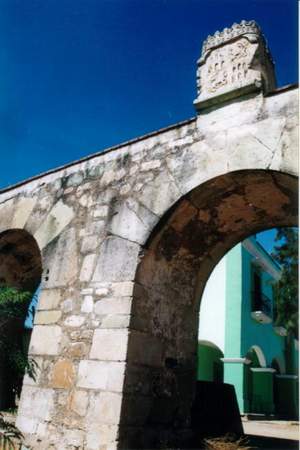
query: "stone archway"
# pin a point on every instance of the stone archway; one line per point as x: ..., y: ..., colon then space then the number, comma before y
x: 20, y: 260
x: 21, y: 269
x: 177, y: 260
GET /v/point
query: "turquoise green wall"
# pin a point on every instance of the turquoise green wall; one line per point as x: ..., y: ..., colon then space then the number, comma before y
x: 233, y: 303
x: 255, y: 390
x: 260, y: 391
x: 254, y: 332
x: 233, y: 372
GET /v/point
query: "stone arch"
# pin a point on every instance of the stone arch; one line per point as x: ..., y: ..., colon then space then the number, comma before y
x: 176, y: 262
x: 20, y: 268
x: 20, y: 260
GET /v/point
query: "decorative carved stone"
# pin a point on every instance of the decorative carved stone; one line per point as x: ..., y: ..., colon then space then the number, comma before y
x: 234, y: 62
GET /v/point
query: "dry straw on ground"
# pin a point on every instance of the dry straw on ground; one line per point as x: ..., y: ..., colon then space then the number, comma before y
x: 226, y: 443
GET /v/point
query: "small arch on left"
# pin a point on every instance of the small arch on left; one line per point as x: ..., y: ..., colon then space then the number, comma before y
x: 20, y: 272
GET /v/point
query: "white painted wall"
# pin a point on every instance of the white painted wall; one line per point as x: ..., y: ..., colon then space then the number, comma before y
x: 212, y: 307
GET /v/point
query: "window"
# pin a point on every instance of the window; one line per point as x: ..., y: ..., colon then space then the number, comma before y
x: 260, y: 302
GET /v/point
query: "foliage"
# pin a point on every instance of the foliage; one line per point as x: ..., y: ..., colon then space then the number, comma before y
x: 286, y: 289
x: 13, y: 303
x: 13, y: 310
x: 10, y: 436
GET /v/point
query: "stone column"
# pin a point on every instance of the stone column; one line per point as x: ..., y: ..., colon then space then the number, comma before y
x: 287, y: 395
x: 234, y: 373
x: 262, y: 390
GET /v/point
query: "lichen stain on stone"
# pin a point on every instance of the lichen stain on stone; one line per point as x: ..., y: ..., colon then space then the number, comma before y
x: 183, y: 214
x: 233, y: 211
x: 269, y: 198
x: 169, y: 244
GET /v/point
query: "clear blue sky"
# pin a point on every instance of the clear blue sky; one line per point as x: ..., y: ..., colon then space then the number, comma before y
x: 78, y: 76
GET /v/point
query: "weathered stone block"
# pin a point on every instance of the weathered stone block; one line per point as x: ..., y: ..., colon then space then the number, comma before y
x: 68, y: 305
x: 27, y: 424
x: 79, y: 402
x: 109, y: 345
x: 36, y: 403
x: 74, y: 438
x: 124, y: 289
x: 117, y: 261
x: 75, y: 179
x: 133, y: 221
x: 100, y: 437
x: 62, y: 260
x: 120, y: 305
x: 7, y: 212
x: 63, y: 374
x: 74, y: 321
x: 23, y: 211
x: 101, y: 292
x: 116, y: 376
x: 87, y: 267
x: 49, y: 299
x: 101, y: 211
x: 150, y: 165
x: 110, y: 407
x: 85, y: 200
x: 160, y: 194
x: 77, y: 349
x: 89, y: 244
x: 87, y: 304
x: 45, y: 340
x: 116, y: 321
x: 58, y: 218
x: 87, y: 291
x: 104, y: 408
x: 92, y: 374
x: 47, y: 317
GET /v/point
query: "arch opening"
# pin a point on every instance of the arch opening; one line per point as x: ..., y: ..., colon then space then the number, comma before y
x: 21, y: 270
x: 257, y: 357
x: 177, y: 261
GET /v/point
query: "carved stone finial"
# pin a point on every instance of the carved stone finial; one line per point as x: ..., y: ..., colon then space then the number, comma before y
x: 234, y: 62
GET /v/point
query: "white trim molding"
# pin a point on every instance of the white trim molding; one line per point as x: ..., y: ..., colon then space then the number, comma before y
x: 261, y: 317
x: 262, y: 259
x: 236, y: 360
x: 281, y: 331
x: 262, y: 369
x: 292, y: 377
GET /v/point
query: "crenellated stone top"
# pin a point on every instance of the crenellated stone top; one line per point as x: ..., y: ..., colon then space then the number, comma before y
x: 228, y: 34
x: 234, y: 62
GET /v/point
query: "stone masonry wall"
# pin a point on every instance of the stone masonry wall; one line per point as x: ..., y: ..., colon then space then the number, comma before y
x: 91, y: 221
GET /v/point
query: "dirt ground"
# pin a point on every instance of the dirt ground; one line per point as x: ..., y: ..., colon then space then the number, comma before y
x: 281, y: 429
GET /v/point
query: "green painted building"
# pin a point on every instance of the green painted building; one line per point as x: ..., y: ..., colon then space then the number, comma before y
x: 239, y: 343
